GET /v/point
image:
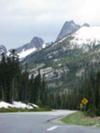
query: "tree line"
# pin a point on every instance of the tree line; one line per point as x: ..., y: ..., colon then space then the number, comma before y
x: 15, y: 83
x: 87, y: 86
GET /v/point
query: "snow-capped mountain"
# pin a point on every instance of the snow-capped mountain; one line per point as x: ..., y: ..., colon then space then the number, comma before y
x: 31, y: 47
x: 3, y: 49
x: 64, y: 62
x: 86, y: 37
x: 68, y: 28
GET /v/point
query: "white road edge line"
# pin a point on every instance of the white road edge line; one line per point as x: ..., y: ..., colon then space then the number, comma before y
x: 52, y: 128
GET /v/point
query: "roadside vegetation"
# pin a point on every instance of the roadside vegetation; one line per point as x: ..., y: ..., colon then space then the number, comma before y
x: 81, y: 118
x: 17, y: 85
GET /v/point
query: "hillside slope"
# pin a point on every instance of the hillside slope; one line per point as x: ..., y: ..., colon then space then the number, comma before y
x: 65, y: 61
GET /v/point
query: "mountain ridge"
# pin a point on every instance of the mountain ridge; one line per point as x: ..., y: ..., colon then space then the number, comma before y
x: 64, y: 62
x: 68, y: 28
x: 34, y: 45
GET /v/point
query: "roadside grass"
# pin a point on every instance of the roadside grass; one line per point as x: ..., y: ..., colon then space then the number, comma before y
x: 6, y: 110
x: 80, y: 118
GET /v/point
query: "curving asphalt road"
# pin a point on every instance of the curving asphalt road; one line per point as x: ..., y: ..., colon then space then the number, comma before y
x: 39, y: 122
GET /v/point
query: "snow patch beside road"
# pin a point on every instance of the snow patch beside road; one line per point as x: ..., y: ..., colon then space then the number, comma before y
x: 5, y: 105
x: 21, y: 105
x: 16, y: 104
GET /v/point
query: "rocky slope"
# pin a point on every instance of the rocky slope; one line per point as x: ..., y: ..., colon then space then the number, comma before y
x: 65, y: 61
x: 37, y: 43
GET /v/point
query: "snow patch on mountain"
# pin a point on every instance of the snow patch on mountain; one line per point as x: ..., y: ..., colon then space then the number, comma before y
x: 44, y: 45
x: 25, y: 53
x: 34, y: 45
x: 86, y: 36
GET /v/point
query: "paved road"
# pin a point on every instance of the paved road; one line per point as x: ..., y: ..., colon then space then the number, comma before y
x: 39, y: 122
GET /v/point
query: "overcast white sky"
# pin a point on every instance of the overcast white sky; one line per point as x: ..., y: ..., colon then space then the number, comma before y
x: 20, y: 20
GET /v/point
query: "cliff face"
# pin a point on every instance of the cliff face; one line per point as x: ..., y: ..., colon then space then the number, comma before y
x: 68, y: 28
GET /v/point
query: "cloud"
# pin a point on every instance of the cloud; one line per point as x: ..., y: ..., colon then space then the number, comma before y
x: 22, y: 19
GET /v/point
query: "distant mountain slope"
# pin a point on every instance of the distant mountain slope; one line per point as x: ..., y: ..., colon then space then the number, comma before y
x: 68, y: 28
x: 35, y: 45
x: 65, y: 61
x: 86, y: 37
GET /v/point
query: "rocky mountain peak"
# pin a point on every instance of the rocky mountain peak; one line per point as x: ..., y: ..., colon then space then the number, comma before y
x: 68, y: 28
x: 34, y: 45
x: 70, y: 23
x: 37, y: 42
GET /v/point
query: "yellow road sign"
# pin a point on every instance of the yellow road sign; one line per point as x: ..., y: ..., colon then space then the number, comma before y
x: 84, y: 101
